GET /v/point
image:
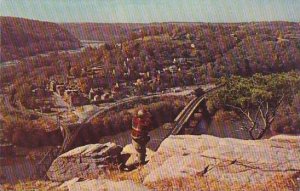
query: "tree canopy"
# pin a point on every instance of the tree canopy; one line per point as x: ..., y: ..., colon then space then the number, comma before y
x: 256, y: 99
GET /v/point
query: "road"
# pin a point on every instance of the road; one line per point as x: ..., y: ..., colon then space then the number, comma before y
x: 134, y: 99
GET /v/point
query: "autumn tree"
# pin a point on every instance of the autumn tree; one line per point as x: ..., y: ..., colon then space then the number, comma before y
x: 24, y: 95
x: 85, y: 84
x: 257, y: 99
x: 76, y: 70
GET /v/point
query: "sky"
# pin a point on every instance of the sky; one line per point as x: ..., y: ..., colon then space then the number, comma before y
x: 146, y: 11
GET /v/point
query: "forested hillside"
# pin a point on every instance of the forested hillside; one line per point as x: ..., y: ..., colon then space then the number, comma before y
x: 102, y: 31
x: 201, y: 52
x: 23, y: 37
x: 216, y: 49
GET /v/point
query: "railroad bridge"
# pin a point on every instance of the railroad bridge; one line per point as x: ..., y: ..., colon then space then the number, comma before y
x: 188, y: 120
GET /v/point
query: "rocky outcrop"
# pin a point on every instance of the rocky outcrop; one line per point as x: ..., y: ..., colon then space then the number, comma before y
x: 101, y: 185
x: 210, y: 163
x: 187, y: 162
x: 86, y: 161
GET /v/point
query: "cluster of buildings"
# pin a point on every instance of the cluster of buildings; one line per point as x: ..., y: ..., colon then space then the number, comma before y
x: 69, y: 89
x: 183, y: 36
x: 71, y: 93
x: 74, y: 97
x: 98, y: 95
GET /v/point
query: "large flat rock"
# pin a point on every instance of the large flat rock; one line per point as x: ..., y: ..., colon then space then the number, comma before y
x: 86, y: 161
x: 225, y: 162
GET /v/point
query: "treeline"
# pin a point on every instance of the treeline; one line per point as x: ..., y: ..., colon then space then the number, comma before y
x: 23, y: 37
x: 26, y: 132
x: 101, y: 31
x: 216, y: 49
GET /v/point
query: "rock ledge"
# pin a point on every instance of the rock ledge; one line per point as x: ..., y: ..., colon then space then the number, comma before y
x: 232, y: 162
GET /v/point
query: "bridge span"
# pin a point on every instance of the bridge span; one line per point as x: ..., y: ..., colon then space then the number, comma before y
x: 195, y: 111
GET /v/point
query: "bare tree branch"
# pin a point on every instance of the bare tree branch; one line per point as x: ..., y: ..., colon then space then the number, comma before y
x: 245, y: 113
x: 263, y: 117
x: 256, y: 116
x: 264, y: 112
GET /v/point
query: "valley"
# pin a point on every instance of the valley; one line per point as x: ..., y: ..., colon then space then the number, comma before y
x: 213, y: 91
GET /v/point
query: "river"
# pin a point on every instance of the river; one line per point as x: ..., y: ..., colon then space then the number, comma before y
x: 84, y: 44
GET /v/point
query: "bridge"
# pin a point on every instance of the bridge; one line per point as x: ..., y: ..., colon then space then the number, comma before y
x: 188, y: 119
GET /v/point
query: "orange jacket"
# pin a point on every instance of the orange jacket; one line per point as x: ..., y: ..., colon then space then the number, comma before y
x: 140, y: 127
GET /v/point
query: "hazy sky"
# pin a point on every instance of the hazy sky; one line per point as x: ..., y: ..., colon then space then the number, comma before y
x: 153, y: 10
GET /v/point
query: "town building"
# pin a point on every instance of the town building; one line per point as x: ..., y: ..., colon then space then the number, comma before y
x: 52, y: 86
x: 106, y: 97
x: 69, y: 91
x: 39, y: 92
x: 60, y: 89
x: 76, y: 99
x: 94, y: 92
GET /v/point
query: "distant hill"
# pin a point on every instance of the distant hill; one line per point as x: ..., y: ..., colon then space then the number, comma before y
x: 123, y: 31
x: 116, y: 31
x: 23, y: 37
x: 102, y: 31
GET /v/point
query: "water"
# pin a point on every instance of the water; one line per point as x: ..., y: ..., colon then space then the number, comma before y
x: 227, y: 129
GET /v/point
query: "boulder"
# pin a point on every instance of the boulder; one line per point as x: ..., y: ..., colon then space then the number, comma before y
x: 225, y: 163
x: 86, y: 161
x: 102, y: 185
